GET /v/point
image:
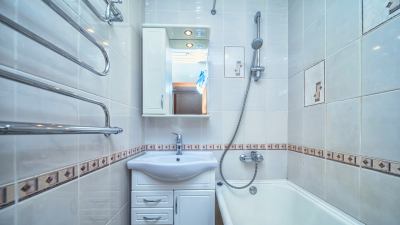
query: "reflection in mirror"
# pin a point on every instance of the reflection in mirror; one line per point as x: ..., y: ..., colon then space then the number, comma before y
x: 189, y: 81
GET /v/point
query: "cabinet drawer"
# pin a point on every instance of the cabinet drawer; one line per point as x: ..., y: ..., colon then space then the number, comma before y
x: 152, y: 216
x: 157, y: 199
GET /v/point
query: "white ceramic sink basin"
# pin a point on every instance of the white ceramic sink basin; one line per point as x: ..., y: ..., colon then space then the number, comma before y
x: 168, y: 166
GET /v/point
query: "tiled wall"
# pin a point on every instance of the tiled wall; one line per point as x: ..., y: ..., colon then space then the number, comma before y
x: 265, y: 119
x: 357, y: 121
x: 102, y: 196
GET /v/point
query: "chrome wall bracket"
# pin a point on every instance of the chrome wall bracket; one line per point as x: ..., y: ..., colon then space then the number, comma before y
x: 112, y: 13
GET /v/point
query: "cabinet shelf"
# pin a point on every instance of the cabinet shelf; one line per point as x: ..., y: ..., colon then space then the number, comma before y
x: 177, y: 116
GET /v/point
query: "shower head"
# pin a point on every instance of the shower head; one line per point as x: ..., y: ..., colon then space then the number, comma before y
x: 257, y: 43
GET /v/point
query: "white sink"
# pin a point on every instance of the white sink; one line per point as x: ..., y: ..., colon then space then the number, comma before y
x: 168, y: 166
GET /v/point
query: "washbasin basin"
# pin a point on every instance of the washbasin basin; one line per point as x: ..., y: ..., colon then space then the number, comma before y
x: 168, y: 166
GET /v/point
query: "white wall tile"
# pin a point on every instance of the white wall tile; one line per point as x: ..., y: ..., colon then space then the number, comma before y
x: 314, y: 126
x: 342, y: 24
x: 343, y: 129
x: 379, y: 199
x: 151, y: 5
x: 135, y: 14
x: 295, y: 20
x: 277, y: 62
x: 119, y: 78
x: 313, y: 9
x: 253, y: 6
x: 234, y: 25
x: 314, y: 42
x: 277, y: 30
x: 42, y: 153
x: 168, y: 17
x: 380, y: 59
x: 295, y: 168
x: 93, y: 145
x: 329, y: 3
x: 189, y: 5
x: 234, y: 6
x: 165, y: 128
x: 296, y: 91
x: 190, y: 130
x: 291, y: 3
x: 343, y: 77
x: 7, y: 215
x: 36, y: 59
x: 343, y: 187
x: 277, y: 7
x: 59, y: 204
x: 90, y: 54
x: 255, y: 98
x: 314, y: 176
x: 188, y: 18
x: 277, y: 127
x: 216, y: 23
x: 277, y: 95
x: 135, y: 88
x: 119, y: 118
x: 230, y: 123
x: 295, y: 56
x: 216, y: 94
x: 295, y: 127
x: 135, y: 120
x: 255, y: 129
x: 150, y: 130
x: 102, y: 28
x: 212, y: 129
x: 234, y: 90
x: 7, y: 51
x: 381, y: 126
x: 95, y: 197
x: 119, y: 186
x: 172, y: 5
x: 216, y: 62
x: 276, y: 164
x: 123, y: 216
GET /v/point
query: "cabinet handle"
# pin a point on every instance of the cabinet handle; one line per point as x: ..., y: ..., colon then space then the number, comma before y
x: 152, y: 200
x: 176, y: 205
x: 162, y: 101
x: 151, y: 218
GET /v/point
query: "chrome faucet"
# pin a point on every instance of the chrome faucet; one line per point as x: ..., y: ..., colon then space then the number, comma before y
x: 178, y: 144
x: 254, y: 157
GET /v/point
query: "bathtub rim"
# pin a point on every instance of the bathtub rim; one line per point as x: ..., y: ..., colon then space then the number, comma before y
x: 227, y: 218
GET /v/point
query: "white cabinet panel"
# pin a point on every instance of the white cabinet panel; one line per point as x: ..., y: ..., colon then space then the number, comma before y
x: 157, y: 199
x: 195, y: 207
x: 152, y: 216
x: 156, y: 79
x: 141, y: 181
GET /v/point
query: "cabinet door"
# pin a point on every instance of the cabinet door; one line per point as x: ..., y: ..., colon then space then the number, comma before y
x: 154, y: 71
x: 195, y: 207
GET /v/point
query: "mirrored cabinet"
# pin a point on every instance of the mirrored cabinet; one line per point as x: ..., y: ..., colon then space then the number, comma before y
x: 175, y: 70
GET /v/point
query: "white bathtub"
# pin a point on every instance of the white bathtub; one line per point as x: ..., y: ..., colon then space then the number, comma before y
x: 277, y: 202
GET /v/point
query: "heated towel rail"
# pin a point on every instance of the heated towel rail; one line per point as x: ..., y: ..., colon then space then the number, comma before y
x: 15, y: 128
x: 56, y: 49
x: 112, y: 12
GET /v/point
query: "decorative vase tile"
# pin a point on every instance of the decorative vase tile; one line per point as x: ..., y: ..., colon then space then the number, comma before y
x: 314, y: 84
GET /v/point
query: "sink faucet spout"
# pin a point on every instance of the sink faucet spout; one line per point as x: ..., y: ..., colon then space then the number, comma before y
x: 178, y: 141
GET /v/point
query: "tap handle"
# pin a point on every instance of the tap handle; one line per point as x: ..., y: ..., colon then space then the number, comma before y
x: 178, y: 136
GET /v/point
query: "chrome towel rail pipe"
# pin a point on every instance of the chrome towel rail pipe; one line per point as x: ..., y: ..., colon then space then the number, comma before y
x: 112, y: 13
x: 18, y: 128
x: 33, y: 128
x: 38, y: 39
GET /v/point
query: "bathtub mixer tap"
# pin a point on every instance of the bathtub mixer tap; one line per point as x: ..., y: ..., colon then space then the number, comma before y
x: 254, y: 157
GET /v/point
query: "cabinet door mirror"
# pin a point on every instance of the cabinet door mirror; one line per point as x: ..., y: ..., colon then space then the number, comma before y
x: 175, y: 70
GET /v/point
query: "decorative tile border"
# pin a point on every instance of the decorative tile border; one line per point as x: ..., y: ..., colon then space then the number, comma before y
x: 383, y: 166
x: 36, y: 185
x: 214, y: 147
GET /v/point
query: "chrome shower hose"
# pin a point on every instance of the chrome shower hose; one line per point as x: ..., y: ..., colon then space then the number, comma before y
x: 234, y: 135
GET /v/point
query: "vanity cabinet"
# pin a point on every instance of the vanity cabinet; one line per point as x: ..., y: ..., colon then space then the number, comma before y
x: 185, y: 202
x: 194, y: 207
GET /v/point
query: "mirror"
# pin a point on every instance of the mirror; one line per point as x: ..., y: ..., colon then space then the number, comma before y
x: 175, y: 70
x: 189, y: 81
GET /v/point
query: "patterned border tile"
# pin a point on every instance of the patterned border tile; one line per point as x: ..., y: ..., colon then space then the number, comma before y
x: 39, y: 184
x: 204, y: 147
x: 384, y: 166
